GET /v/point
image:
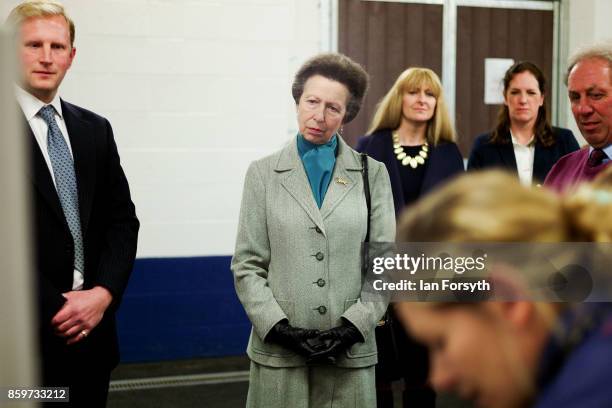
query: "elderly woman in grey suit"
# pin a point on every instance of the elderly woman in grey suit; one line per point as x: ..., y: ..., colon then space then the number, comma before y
x: 297, y: 263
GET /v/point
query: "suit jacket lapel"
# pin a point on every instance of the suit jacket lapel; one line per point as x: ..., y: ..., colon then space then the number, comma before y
x: 540, y: 163
x: 380, y: 147
x: 343, y: 178
x: 83, y: 151
x: 506, y: 152
x: 296, y: 182
x: 429, y: 176
x: 394, y: 171
x: 41, y: 177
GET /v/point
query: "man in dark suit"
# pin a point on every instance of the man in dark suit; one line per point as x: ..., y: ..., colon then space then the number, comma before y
x: 85, y: 226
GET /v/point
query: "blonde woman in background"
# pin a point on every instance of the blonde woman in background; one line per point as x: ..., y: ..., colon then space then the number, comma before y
x: 412, y: 134
x: 514, y: 353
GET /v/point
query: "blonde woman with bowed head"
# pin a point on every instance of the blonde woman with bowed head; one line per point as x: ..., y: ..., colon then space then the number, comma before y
x: 523, y: 141
x: 411, y: 133
x: 515, y: 353
x: 297, y: 263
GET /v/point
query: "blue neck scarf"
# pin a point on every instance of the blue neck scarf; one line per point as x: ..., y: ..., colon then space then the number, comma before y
x: 319, y: 161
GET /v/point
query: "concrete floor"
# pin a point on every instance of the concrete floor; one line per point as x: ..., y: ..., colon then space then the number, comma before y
x: 223, y: 383
x: 210, y: 395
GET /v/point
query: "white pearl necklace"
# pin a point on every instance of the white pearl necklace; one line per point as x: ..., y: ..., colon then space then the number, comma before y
x: 403, y: 157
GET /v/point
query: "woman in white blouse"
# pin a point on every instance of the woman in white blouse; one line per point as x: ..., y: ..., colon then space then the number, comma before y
x: 523, y: 140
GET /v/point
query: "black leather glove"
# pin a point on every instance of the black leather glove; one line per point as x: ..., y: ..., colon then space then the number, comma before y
x: 335, y: 340
x: 293, y: 338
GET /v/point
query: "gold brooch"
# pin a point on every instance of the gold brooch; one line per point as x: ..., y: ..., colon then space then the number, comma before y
x: 342, y: 181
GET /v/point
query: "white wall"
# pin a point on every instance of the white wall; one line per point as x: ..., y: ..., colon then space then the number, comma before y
x: 590, y: 21
x: 195, y: 90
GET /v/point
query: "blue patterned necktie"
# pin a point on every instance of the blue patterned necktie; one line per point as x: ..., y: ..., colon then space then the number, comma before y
x: 65, y: 180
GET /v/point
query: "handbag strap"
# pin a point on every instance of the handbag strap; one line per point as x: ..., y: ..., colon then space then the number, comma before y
x: 366, y: 189
x: 386, y: 320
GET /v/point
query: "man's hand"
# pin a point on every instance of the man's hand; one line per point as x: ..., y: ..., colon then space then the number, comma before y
x: 81, y: 313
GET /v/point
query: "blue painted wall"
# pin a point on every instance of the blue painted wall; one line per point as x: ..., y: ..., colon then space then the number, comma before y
x: 178, y: 308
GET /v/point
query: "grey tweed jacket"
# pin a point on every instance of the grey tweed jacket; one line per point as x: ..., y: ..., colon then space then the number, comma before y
x: 296, y: 261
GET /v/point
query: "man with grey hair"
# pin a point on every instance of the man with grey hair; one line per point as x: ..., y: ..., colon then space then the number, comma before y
x: 589, y: 84
x: 85, y: 225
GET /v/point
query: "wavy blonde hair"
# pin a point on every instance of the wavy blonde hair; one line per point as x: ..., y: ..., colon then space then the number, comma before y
x: 591, y: 208
x: 492, y: 206
x: 389, y: 110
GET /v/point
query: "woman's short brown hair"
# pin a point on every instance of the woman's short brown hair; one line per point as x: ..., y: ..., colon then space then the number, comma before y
x: 337, y: 67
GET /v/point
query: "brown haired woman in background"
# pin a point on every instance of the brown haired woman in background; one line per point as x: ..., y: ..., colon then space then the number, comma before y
x: 523, y: 140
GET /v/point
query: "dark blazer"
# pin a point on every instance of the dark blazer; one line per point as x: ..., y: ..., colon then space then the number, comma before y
x: 109, y: 227
x: 486, y: 154
x: 445, y: 161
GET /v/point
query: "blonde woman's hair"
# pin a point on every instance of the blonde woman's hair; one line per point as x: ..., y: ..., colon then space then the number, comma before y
x: 492, y: 206
x: 389, y: 110
x: 591, y: 208
x: 39, y: 8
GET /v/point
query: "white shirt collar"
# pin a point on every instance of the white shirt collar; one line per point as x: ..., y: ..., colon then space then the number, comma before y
x: 31, y: 105
x: 516, y: 142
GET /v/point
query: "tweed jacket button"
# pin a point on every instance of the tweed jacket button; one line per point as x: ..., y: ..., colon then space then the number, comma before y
x: 321, y: 282
x: 320, y: 256
x: 322, y: 309
x: 318, y: 230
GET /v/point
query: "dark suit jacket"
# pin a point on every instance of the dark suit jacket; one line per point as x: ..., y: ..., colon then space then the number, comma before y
x: 445, y: 161
x: 486, y: 154
x: 109, y: 227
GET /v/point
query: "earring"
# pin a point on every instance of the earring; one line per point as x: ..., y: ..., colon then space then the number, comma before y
x: 341, y: 130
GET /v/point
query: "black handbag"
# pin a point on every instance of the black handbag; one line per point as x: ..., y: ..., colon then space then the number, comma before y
x: 386, y: 341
